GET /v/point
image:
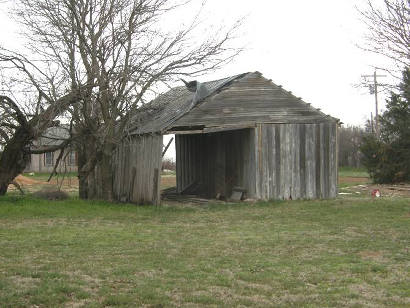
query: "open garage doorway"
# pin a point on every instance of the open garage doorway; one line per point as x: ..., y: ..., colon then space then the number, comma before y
x: 212, y: 165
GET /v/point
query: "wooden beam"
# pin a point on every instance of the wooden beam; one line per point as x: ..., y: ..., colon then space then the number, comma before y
x: 184, y: 132
x: 166, y: 148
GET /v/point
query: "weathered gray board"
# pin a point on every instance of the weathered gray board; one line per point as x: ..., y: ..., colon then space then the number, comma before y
x: 137, y: 165
x: 214, y: 163
x: 271, y: 161
x: 296, y: 161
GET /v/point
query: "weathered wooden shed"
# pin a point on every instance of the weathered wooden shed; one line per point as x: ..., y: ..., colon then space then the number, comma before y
x: 242, y: 132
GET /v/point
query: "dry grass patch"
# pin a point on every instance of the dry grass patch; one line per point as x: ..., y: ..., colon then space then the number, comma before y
x: 372, y: 255
x: 24, y: 283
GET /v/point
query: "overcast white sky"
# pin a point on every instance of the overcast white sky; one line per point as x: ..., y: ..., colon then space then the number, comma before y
x: 308, y: 47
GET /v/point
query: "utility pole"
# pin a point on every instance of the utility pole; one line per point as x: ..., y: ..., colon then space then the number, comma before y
x: 371, y: 122
x: 373, y: 90
x: 377, y: 104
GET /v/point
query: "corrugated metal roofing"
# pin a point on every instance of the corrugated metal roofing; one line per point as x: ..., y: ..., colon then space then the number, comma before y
x: 163, y: 111
x: 247, y: 99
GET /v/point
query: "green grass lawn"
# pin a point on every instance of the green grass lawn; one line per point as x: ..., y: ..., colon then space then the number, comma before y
x: 349, y: 176
x: 344, y: 252
x: 353, y: 172
x: 43, y: 176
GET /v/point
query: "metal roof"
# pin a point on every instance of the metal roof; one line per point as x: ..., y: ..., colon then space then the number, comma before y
x: 249, y: 96
x: 162, y: 112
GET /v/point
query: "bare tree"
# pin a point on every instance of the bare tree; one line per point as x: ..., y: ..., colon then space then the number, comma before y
x: 119, y: 51
x: 23, y: 122
x: 350, y: 139
x: 388, y: 30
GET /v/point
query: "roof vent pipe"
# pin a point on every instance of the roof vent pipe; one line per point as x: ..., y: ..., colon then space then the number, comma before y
x: 191, y: 86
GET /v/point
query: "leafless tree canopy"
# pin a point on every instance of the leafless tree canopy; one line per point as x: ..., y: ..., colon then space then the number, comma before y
x: 113, y: 53
x: 350, y: 139
x: 389, y: 30
x: 26, y: 112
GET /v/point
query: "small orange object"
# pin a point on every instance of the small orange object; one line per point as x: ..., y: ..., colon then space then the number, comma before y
x: 376, y: 193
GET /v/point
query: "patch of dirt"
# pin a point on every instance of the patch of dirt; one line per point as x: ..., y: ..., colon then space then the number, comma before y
x: 23, y: 180
x: 68, y: 181
x: 168, y: 181
x: 386, y: 190
x: 70, y: 184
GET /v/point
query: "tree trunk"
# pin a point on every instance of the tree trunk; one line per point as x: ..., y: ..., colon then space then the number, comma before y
x: 100, y: 179
x: 82, y: 175
x: 106, y: 174
x: 14, y: 159
x: 95, y: 178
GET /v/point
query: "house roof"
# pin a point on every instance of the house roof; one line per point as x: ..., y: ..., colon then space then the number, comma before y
x: 53, y: 136
x: 240, y: 100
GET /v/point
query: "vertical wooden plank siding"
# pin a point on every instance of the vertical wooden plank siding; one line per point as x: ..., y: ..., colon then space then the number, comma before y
x: 310, y: 176
x: 296, y: 172
x: 285, y: 173
x: 297, y: 161
x: 302, y: 160
x: 333, y: 178
x: 272, y: 161
x: 135, y: 162
x: 249, y: 148
x: 276, y: 169
x: 178, y: 161
x: 325, y: 160
x: 270, y: 158
x: 318, y: 162
x: 220, y: 167
x: 258, y: 176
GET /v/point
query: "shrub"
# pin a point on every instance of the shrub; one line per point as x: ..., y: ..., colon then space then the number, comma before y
x: 168, y: 164
x: 51, y: 194
x: 388, y: 159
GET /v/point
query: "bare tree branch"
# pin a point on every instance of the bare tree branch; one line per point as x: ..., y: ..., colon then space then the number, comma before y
x: 388, y: 30
x: 57, y: 163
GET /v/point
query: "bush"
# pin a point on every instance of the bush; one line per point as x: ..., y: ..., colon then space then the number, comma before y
x: 376, y: 160
x: 51, y: 194
x: 388, y: 159
x: 168, y: 164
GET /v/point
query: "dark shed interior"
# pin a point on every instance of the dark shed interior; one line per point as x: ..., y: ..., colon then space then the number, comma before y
x: 213, y: 164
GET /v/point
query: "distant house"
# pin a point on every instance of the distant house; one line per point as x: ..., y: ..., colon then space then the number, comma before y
x: 46, y: 162
x: 239, y: 133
